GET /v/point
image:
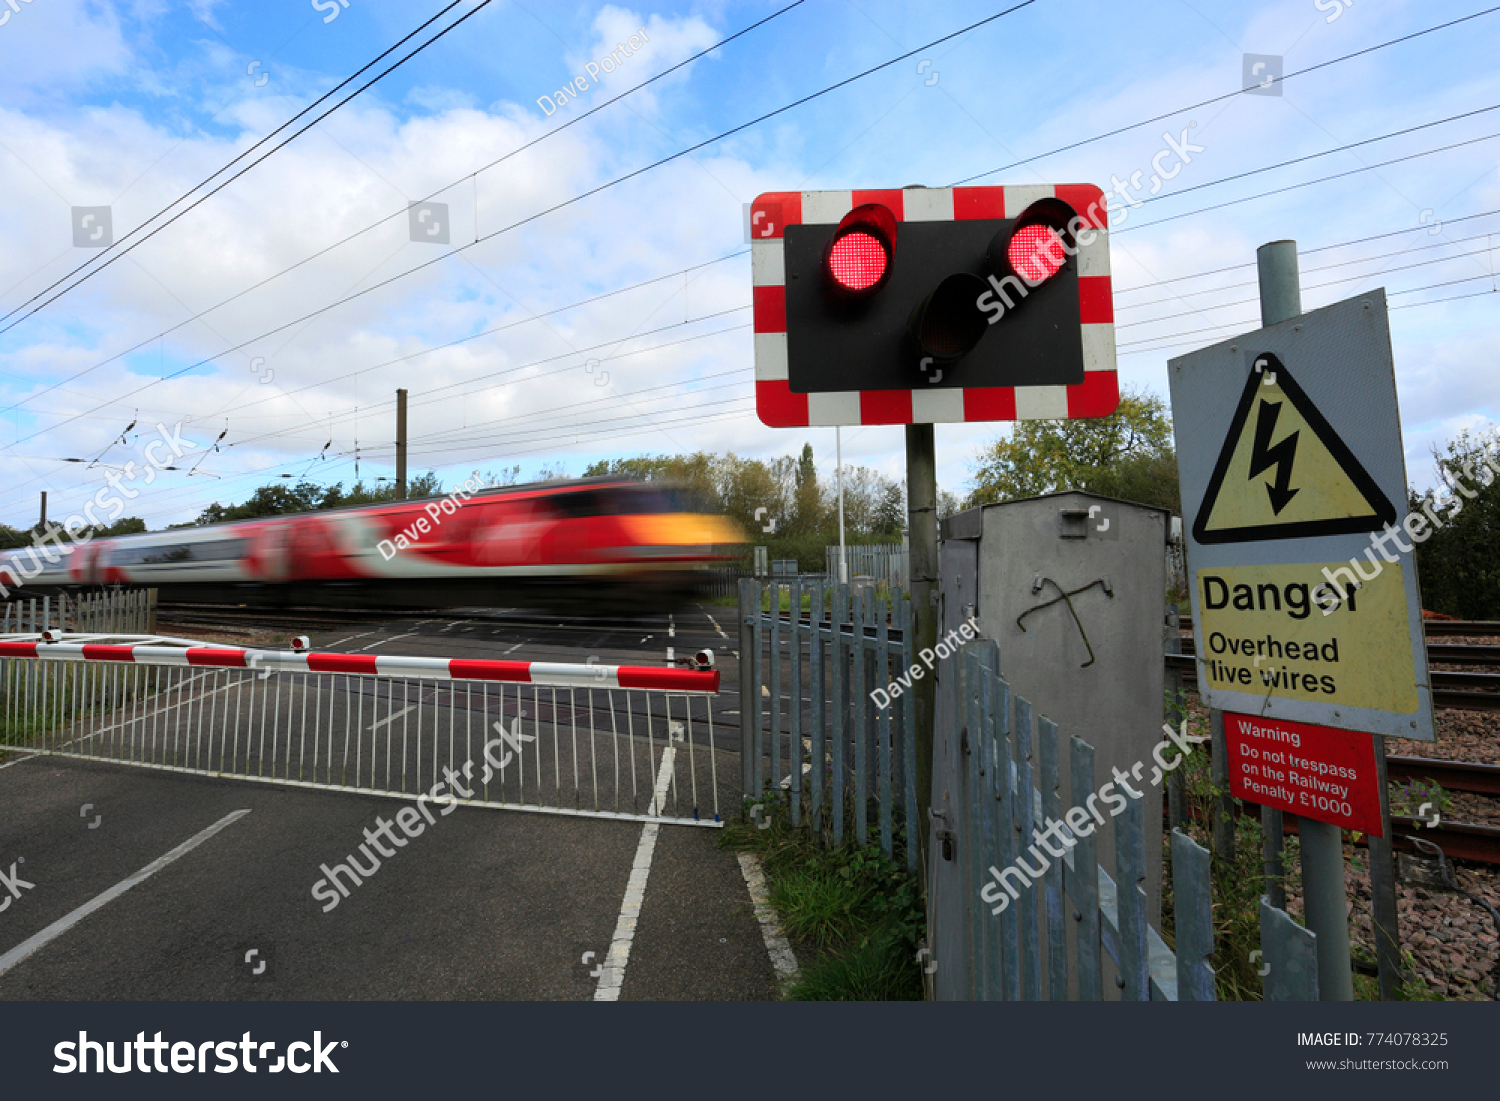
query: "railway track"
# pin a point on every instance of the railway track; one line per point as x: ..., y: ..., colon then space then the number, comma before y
x: 1435, y: 628
x: 1457, y: 690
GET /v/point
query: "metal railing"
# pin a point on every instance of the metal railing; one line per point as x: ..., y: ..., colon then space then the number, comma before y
x: 812, y: 730
x: 131, y: 611
x: 885, y: 562
x: 605, y: 741
x: 845, y: 763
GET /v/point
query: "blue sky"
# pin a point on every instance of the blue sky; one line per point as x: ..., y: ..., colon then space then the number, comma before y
x: 130, y: 105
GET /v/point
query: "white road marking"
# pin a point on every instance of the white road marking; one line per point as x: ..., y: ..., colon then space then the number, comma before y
x: 671, y: 626
x: 18, y: 760
x: 516, y: 647
x: 351, y: 638
x: 392, y: 718
x: 613, y: 975
x: 715, y: 622
x: 780, y: 951
x: 383, y: 641
x: 66, y: 922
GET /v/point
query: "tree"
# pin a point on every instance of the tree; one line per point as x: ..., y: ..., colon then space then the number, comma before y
x: 808, y: 513
x: 1127, y: 454
x: 1457, y: 566
x: 890, y: 510
x: 279, y: 499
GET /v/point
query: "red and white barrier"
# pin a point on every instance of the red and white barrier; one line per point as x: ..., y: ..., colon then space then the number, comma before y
x: 542, y: 673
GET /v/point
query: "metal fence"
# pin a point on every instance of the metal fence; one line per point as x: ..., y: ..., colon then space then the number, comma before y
x: 1067, y: 926
x: 605, y: 741
x: 720, y: 581
x: 129, y: 611
x: 886, y: 562
x: 818, y: 733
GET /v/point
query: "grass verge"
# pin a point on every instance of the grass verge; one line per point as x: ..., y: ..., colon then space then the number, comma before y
x: 855, y: 915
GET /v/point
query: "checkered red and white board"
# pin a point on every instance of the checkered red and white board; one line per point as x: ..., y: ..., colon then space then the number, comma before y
x: 778, y: 407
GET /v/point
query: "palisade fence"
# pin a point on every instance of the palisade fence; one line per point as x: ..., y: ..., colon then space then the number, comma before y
x: 887, y: 562
x: 719, y: 581
x: 816, y: 734
x: 117, y: 611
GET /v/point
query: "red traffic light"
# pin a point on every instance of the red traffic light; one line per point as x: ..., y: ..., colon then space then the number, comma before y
x: 860, y: 255
x: 1036, y: 253
x: 857, y: 261
x: 1037, y: 246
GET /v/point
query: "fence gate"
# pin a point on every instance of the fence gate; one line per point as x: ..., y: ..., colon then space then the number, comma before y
x: 604, y: 741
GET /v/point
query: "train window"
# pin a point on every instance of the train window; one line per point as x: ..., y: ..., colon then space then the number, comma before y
x: 585, y: 503
x: 637, y: 499
x: 167, y: 554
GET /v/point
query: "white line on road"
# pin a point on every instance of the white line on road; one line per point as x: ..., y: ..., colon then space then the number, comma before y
x: 351, y: 638
x: 613, y: 975
x: 393, y: 638
x: 63, y: 924
x: 715, y: 622
x: 514, y: 648
x: 780, y: 951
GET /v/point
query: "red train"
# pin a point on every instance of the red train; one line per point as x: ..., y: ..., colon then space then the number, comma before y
x: 591, y: 541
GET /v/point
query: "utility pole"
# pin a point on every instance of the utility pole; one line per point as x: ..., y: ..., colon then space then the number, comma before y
x: 44, y: 510
x: 838, y: 445
x: 1323, y: 891
x: 401, y: 445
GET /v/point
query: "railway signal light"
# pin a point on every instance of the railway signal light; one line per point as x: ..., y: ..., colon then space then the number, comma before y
x: 861, y: 251
x: 929, y: 305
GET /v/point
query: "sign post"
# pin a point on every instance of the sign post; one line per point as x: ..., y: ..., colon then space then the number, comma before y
x: 1305, y: 605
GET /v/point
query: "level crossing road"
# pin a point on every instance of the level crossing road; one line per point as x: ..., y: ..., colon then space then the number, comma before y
x: 124, y: 882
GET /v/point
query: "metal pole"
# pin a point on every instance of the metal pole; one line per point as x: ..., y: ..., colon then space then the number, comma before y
x: 838, y: 444
x: 748, y: 687
x: 1383, y: 915
x: 401, y: 445
x: 44, y: 512
x: 1323, y: 892
x: 921, y: 509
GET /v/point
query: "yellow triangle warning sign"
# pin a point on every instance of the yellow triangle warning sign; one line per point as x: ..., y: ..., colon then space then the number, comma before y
x: 1284, y: 473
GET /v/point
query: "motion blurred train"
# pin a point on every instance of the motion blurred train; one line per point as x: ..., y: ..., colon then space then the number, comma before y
x: 591, y: 543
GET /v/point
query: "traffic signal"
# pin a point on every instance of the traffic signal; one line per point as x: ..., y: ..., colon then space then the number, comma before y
x: 932, y: 305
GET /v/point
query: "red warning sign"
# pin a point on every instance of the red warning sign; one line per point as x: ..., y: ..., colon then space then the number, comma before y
x: 1315, y: 772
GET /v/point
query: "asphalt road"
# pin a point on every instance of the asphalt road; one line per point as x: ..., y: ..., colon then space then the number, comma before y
x: 477, y: 903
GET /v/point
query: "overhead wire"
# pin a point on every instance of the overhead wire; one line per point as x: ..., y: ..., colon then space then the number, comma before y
x: 396, y: 214
x: 264, y: 157
x: 660, y: 162
x: 1229, y: 95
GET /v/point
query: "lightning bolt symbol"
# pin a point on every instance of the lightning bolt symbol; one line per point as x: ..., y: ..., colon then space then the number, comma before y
x: 1263, y: 456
